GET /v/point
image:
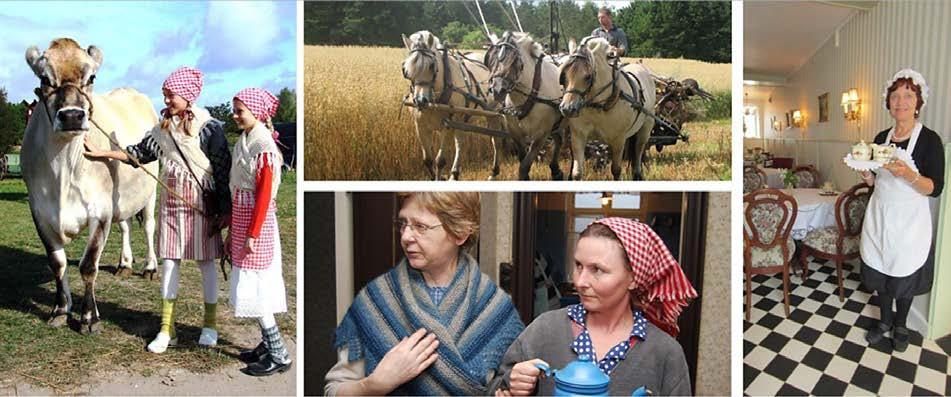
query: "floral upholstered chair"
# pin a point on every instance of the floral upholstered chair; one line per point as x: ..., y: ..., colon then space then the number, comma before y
x: 769, y: 215
x: 806, y: 177
x: 753, y: 179
x: 839, y: 243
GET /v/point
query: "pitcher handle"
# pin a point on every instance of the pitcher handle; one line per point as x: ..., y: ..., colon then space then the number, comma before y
x: 544, y: 367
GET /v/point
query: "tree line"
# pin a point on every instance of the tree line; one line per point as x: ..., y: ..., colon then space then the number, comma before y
x: 665, y: 29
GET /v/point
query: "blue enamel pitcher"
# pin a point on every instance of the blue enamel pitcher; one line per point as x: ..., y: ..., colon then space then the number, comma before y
x: 582, y: 378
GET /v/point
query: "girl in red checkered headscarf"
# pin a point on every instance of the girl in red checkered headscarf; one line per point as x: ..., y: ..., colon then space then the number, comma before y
x: 257, y: 285
x: 631, y: 290
x: 196, y: 164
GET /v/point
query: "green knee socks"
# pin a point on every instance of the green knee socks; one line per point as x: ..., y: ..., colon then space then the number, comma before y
x: 211, y: 315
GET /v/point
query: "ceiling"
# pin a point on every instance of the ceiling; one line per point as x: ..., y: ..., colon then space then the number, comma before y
x: 780, y: 36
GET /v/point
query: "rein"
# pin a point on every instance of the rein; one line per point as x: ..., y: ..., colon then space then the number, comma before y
x: 448, y: 88
x: 612, y: 99
x: 44, y: 99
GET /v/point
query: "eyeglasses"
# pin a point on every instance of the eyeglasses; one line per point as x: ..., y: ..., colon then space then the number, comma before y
x: 418, y: 229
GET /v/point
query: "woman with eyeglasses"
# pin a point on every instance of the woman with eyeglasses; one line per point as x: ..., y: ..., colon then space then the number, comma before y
x: 434, y: 324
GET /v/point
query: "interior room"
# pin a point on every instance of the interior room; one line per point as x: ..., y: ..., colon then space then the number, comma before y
x: 815, y: 79
x: 526, y: 245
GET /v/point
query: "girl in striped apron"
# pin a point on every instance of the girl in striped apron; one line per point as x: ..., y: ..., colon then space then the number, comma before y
x: 257, y: 283
x: 194, y: 155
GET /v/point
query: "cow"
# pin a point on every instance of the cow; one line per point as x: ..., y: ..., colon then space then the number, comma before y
x: 69, y: 192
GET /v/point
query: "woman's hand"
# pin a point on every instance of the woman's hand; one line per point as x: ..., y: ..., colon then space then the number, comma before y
x: 524, y: 377
x: 91, y: 150
x: 900, y: 169
x: 405, y: 361
x: 248, y: 246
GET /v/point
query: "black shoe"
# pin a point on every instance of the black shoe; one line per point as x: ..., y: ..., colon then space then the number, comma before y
x: 266, y: 367
x: 253, y: 355
x: 876, y: 333
x: 900, y: 339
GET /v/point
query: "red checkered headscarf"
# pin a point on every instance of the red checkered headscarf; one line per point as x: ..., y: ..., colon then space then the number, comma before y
x: 659, y: 280
x: 261, y: 103
x: 184, y: 82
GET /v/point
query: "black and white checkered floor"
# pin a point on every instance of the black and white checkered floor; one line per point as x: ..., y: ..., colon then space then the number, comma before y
x: 820, y: 349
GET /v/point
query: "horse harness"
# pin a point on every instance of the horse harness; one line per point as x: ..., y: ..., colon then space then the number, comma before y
x: 635, y: 99
x: 532, y: 97
x: 471, y: 84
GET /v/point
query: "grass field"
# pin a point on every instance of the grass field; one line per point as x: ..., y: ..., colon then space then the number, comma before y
x: 353, y: 129
x: 62, y: 359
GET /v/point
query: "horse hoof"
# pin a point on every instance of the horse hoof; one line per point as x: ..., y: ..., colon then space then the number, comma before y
x: 148, y: 274
x: 124, y: 272
x: 58, y: 320
x: 90, y: 329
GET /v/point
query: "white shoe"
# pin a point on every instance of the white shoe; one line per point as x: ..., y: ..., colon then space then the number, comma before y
x: 161, y: 342
x: 208, y: 338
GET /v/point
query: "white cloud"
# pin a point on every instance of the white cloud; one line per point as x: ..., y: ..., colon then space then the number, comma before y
x: 240, y: 34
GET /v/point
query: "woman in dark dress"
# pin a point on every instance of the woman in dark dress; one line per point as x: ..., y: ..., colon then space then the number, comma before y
x: 897, y: 238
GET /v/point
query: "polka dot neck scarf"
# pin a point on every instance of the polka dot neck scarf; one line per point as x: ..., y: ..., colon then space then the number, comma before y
x: 583, y: 344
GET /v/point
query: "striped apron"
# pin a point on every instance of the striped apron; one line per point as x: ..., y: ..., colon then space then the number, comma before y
x: 183, y: 232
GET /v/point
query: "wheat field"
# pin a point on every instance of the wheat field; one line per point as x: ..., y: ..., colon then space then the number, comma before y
x: 354, y: 128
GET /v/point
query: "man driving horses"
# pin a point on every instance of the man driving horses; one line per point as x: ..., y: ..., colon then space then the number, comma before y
x: 610, y: 32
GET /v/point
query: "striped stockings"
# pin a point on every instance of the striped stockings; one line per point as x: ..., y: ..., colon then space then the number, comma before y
x: 271, y: 336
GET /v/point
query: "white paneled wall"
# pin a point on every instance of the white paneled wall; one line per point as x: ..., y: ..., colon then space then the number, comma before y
x: 873, y: 45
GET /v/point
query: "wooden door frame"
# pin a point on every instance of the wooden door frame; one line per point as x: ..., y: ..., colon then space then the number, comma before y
x: 523, y: 252
x: 692, y: 254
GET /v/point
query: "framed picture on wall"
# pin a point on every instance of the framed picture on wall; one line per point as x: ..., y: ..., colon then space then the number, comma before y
x: 824, y: 108
x: 788, y: 119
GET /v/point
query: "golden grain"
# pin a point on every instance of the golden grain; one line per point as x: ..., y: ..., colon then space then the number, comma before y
x: 353, y: 129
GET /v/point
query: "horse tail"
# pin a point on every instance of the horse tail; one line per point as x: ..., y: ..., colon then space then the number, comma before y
x: 630, y: 147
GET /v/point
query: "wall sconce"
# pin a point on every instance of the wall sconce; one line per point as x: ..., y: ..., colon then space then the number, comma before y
x: 797, y: 119
x: 851, y: 104
x: 606, y: 199
x: 777, y: 125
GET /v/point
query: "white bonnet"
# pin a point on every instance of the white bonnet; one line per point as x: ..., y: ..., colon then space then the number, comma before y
x: 915, y: 77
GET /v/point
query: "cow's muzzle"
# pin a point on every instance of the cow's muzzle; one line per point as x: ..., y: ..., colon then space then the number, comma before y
x: 72, y: 119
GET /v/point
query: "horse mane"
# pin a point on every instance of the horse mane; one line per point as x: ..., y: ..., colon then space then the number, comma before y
x: 416, y: 62
x: 597, y: 49
x: 537, y: 49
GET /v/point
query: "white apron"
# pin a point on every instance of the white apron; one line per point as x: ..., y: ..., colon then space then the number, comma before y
x: 896, y: 234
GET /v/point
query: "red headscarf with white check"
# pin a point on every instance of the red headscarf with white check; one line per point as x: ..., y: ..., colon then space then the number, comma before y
x: 261, y: 103
x: 659, y: 280
x: 185, y: 82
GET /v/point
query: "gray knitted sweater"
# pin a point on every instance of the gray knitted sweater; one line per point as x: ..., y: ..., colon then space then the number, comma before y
x: 657, y: 362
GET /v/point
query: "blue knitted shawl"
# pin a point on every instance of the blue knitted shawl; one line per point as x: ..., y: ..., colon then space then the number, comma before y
x: 475, y: 324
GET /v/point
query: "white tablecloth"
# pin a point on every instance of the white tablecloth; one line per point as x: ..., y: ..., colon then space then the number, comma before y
x: 815, y: 211
x: 774, y: 178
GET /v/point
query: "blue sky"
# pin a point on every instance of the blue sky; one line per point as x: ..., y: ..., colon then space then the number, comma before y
x: 236, y: 44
